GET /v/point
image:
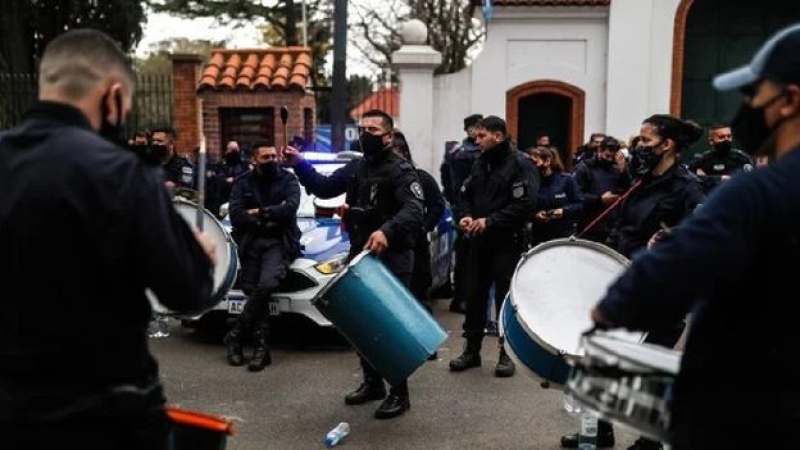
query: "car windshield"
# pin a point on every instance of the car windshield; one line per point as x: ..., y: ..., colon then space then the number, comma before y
x: 307, y: 208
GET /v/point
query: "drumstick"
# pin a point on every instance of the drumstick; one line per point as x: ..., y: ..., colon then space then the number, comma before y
x: 201, y: 168
x: 604, y: 213
x: 284, y: 118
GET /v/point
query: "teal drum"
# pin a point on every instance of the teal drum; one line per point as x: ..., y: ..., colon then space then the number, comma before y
x: 380, y: 317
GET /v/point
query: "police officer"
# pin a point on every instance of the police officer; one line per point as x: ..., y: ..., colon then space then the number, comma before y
x: 74, y: 203
x: 178, y: 170
x: 732, y: 264
x: 385, y: 214
x: 263, y: 209
x: 434, y: 204
x: 459, y: 162
x: 495, y: 204
x: 231, y: 166
x: 718, y: 164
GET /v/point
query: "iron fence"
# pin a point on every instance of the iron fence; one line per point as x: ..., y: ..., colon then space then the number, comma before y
x: 152, y: 104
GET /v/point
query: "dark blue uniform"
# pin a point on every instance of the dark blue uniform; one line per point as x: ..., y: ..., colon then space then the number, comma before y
x: 93, y: 225
x: 502, y: 188
x: 383, y: 193
x: 594, y: 178
x: 180, y: 171
x: 715, y: 164
x: 268, y: 243
x: 733, y: 264
x: 434, y: 204
x: 217, y: 186
x: 558, y: 190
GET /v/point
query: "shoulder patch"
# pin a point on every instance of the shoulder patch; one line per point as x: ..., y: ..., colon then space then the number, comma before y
x: 518, y: 190
x: 416, y: 189
x: 747, y: 167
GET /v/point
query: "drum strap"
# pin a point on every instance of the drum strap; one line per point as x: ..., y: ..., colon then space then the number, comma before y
x: 610, y: 208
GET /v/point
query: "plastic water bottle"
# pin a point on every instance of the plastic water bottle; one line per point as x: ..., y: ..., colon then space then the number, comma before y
x: 572, y: 407
x: 587, y: 438
x: 337, y: 434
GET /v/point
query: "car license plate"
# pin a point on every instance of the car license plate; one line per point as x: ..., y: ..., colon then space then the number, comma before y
x: 273, y: 308
x: 236, y: 305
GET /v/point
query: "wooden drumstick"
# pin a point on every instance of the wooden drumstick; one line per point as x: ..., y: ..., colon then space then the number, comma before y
x: 201, y: 168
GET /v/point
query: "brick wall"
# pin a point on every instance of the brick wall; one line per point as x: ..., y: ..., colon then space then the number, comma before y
x: 185, y: 76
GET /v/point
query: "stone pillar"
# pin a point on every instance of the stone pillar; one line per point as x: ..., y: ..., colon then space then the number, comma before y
x: 415, y: 62
x: 186, y: 70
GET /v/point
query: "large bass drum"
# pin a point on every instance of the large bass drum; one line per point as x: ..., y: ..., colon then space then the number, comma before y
x: 227, y: 267
x: 554, y: 288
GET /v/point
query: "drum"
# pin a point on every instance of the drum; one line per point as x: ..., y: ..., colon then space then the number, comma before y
x: 626, y: 382
x: 227, y: 267
x: 547, y: 309
x: 380, y: 317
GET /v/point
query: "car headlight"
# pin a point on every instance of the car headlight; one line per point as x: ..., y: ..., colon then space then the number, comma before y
x: 333, y: 265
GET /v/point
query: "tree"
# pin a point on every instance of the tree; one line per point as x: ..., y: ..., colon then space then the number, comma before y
x: 451, y: 29
x: 158, y: 58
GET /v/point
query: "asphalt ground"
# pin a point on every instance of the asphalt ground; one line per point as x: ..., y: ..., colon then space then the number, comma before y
x: 294, y: 402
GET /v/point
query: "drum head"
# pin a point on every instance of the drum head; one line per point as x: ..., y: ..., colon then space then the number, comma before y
x: 225, y: 251
x: 634, y: 356
x: 555, y: 286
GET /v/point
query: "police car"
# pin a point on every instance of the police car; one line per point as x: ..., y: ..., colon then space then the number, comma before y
x: 325, y: 246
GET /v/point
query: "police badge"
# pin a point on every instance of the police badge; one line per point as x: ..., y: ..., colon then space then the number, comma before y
x: 518, y: 190
x: 416, y: 189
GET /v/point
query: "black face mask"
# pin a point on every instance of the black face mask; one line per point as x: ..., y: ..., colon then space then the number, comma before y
x: 233, y: 157
x: 751, y: 129
x: 605, y: 163
x: 371, y: 144
x: 645, y: 159
x: 112, y: 131
x: 268, y: 169
x: 723, y: 147
x: 147, y: 152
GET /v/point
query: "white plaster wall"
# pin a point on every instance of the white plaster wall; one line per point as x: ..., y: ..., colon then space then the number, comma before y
x: 640, y: 51
x: 527, y: 44
x: 452, y: 103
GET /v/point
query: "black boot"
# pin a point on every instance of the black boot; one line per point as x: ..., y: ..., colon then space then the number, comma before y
x: 233, y: 345
x: 505, y: 366
x: 261, y: 356
x: 470, y: 358
x: 395, y: 404
x: 369, y: 390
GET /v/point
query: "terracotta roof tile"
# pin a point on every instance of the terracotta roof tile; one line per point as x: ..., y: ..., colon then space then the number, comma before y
x: 385, y: 98
x: 269, y: 68
x: 547, y: 2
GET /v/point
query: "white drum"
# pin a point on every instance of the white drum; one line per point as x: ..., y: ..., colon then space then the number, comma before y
x: 554, y: 288
x: 227, y: 267
x: 626, y: 382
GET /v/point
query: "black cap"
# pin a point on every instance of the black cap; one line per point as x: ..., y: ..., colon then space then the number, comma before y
x: 472, y: 120
x: 777, y: 60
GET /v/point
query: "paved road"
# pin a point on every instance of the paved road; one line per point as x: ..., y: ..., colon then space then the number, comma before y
x: 296, y: 400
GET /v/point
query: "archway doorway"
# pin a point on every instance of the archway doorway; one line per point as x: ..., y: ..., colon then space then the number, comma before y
x: 547, y: 107
x: 719, y: 35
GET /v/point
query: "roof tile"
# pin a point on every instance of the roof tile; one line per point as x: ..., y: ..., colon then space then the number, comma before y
x: 247, y: 69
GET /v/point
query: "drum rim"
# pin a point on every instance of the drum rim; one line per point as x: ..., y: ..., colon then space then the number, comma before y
x: 572, y: 241
x: 587, y: 342
x: 208, y: 213
x: 329, y: 285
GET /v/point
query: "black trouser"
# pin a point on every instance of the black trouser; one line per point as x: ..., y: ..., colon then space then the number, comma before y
x: 460, y: 268
x: 421, y: 275
x: 401, y: 264
x: 263, y: 268
x: 491, y: 260
x: 665, y: 337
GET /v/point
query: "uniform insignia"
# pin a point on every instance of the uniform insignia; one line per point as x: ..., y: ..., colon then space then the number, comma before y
x: 416, y: 189
x: 719, y: 167
x: 373, y: 193
x: 518, y: 190
x: 747, y: 167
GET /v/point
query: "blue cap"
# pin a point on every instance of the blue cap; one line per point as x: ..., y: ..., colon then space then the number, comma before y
x: 777, y: 60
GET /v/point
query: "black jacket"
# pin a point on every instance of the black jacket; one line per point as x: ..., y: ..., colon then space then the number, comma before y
x: 502, y: 187
x: 383, y: 191
x: 91, y: 226
x: 278, y: 199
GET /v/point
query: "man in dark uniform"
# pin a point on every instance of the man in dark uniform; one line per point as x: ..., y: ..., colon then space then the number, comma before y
x: 460, y: 162
x: 97, y: 227
x: 496, y: 201
x: 385, y: 213
x: 178, y: 170
x: 422, y: 276
x: 721, y: 161
x: 225, y: 172
x: 732, y: 265
x: 263, y: 211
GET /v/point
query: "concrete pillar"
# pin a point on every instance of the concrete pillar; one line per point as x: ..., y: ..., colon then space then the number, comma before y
x: 415, y: 62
